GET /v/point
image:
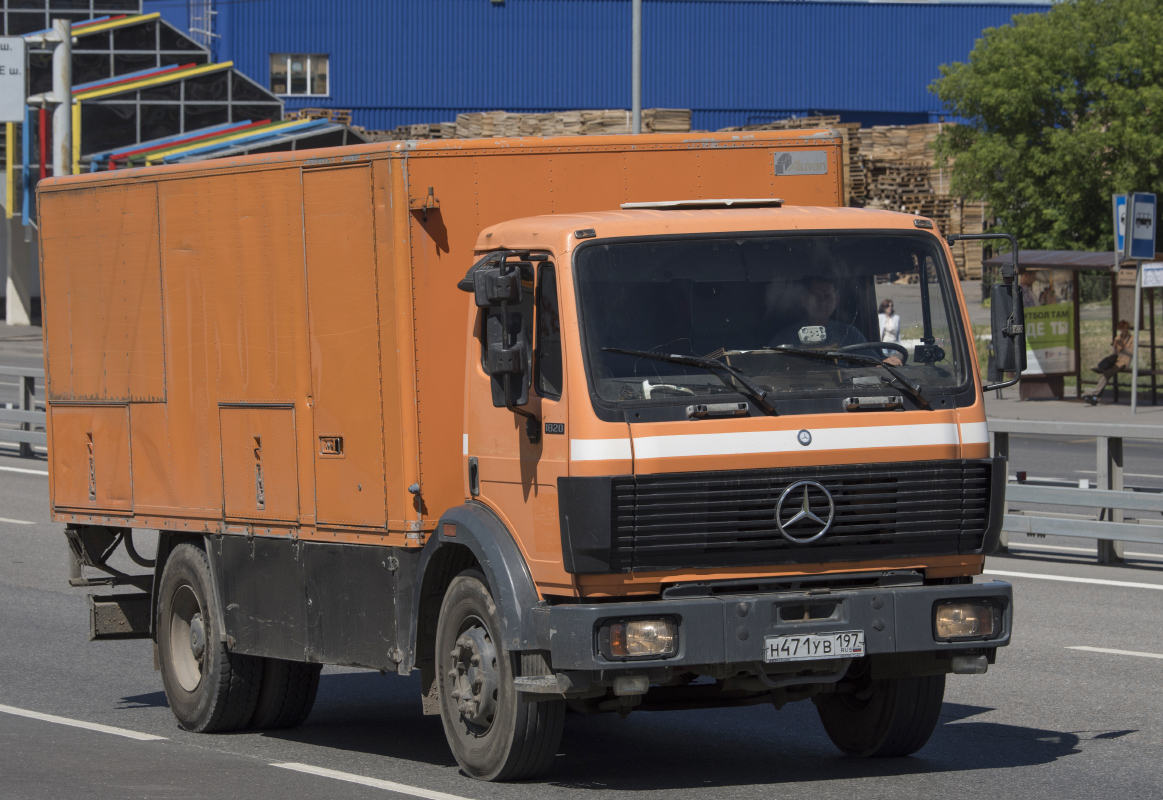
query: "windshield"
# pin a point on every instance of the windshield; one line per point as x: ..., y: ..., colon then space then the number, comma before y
x: 747, y: 302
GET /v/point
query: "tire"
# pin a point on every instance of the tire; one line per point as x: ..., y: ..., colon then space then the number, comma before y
x: 287, y: 694
x: 209, y: 688
x: 889, y: 718
x: 500, y: 739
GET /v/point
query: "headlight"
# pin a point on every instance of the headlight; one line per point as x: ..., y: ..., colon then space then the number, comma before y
x: 638, y: 638
x: 967, y: 619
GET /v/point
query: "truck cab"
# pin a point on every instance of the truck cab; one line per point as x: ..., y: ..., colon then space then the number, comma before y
x: 726, y: 485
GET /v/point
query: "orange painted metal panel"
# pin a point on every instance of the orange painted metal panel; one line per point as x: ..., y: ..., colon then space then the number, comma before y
x: 90, y: 464
x: 102, y: 295
x: 259, y: 467
x: 345, y: 360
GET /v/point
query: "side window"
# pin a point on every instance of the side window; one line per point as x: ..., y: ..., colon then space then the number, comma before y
x: 548, y: 359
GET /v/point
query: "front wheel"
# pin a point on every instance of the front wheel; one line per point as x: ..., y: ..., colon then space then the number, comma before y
x: 494, y: 733
x: 884, y: 718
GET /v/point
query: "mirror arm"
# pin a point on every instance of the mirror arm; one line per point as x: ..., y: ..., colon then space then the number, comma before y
x: 989, y: 387
x: 532, y: 426
x: 1008, y: 271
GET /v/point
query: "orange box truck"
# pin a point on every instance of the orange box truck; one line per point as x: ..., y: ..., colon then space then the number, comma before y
x: 549, y: 420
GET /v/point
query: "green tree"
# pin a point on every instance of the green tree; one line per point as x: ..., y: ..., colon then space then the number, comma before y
x: 1062, y: 109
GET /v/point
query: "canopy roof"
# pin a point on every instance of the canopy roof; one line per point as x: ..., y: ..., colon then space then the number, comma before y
x: 1078, y: 260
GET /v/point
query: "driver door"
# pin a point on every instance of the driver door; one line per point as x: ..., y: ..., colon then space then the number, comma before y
x: 518, y: 477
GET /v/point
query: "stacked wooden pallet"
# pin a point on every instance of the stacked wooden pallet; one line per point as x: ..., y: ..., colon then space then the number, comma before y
x: 341, y: 115
x: 587, y: 122
x: 902, y: 174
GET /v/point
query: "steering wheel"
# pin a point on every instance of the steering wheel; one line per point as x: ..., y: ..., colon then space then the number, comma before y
x: 878, y: 346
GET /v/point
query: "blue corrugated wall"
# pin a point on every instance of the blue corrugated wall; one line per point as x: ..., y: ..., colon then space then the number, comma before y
x: 732, y: 61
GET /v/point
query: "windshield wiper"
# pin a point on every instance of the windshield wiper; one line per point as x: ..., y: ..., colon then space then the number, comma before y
x: 750, y: 388
x: 914, y: 389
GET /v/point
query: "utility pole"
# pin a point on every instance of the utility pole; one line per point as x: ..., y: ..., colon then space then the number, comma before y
x: 636, y: 69
x: 62, y: 89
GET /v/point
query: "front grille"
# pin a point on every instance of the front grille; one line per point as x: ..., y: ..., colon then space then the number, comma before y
x: 727, y: 519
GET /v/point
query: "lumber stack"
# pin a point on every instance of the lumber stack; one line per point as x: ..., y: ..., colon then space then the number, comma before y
x: 901, y: 174
x: 587, y: 122
x: 340, y: 115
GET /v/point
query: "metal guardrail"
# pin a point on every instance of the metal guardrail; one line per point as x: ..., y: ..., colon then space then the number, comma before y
x: 28, y: 418
x: 1109, y: 499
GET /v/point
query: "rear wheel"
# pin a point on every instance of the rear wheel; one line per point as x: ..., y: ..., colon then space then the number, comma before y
x: 287, y: 693
x: 208, y: 687
x: 884, y: 718
x: 494, y: 733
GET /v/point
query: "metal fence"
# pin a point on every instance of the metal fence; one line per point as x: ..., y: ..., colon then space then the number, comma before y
x: 30, y: 423
x: 1105, y: 503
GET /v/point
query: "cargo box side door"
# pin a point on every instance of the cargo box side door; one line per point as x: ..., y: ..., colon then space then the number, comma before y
x: 345, y: 355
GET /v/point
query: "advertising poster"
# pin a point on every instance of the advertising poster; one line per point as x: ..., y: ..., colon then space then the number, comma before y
x: 1048, y: 297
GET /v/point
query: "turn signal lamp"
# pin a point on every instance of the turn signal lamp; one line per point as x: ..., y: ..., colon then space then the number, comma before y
x: 639, y: 638
x: 966, y: 619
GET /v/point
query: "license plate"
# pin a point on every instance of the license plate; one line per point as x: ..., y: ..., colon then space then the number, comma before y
x: 813, y: 646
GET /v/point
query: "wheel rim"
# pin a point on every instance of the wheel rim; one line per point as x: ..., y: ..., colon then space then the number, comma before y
x: 473, y: 677
x: 187, y: 645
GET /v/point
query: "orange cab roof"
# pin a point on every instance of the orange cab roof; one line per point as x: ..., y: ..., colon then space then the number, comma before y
x: 557, y: 231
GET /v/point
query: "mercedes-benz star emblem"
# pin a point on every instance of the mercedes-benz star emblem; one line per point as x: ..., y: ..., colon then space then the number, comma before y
x: 804, y: 512
x: 804, y: 438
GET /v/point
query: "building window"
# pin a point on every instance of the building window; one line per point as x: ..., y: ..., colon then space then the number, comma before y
x: 299, y: 74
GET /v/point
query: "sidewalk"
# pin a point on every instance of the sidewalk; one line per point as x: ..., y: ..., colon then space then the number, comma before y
x: 1071, y: 410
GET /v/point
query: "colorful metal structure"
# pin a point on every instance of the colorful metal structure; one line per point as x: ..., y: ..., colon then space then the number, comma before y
x: 145, y: 93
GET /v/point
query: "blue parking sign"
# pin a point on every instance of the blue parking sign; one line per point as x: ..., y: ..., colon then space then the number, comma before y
x: 1140, y: 232
x: 1120, y: 207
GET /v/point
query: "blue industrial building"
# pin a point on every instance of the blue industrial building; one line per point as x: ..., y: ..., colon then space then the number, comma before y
x: 733, y: 62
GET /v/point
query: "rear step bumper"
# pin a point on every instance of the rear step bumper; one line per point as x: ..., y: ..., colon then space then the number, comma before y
x: 119, y: 616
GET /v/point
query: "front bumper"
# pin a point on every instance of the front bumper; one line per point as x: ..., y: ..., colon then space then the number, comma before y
x: 727, y: 629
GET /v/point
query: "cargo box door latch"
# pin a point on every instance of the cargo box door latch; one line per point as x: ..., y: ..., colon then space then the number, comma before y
x: 260, y: 492
x: 331, y: 446
x: 424, y: 204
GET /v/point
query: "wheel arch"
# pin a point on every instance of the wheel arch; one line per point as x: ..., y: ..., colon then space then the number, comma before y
x: 483, y: 541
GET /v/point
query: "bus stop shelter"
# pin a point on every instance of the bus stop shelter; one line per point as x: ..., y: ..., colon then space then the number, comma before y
x: 1074, y: 262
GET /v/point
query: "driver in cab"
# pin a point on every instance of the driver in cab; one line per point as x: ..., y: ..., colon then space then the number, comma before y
x: 820, y: 299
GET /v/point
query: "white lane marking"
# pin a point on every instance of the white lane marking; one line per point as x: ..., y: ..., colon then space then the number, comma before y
x: 76, y: 723
x: 599, y: 449
x: 1117, y: 652
x: 753, y: 442
x: 391, y: 786
x: 1067, y: 579
x: 16, y: 521
x: 974, y: 433
x: 1090, y: 550
x: 26, y: 471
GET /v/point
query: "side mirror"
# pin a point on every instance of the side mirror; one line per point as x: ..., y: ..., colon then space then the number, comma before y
x: 1008, y: 329
x: 493, y: 287
x: 506, y: 355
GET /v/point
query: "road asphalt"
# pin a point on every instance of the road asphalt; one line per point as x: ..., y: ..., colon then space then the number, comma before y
x: 1049, y: 720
